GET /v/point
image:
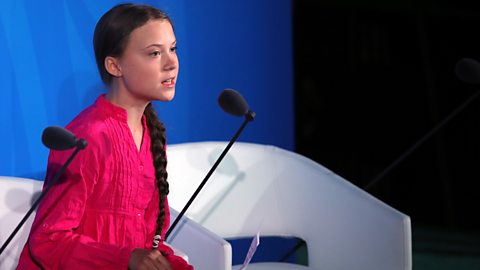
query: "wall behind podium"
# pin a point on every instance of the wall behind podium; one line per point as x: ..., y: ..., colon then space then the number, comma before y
x: 48, y: 72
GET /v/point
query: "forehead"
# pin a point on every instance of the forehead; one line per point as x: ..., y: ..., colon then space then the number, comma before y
x: 153, y: 32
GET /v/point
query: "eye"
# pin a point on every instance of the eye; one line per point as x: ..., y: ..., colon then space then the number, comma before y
x: 173, y: 49
x: 154, y: 53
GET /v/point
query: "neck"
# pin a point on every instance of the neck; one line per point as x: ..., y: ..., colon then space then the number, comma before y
x: 134, y: 107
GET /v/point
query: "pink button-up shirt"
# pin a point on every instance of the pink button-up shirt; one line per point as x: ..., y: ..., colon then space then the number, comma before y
x: 106, y: 202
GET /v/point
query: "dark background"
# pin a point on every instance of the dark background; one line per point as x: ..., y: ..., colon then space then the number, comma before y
x: 371, y: 79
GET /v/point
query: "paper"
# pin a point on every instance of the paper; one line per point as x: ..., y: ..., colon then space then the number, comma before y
x: 251, y: 251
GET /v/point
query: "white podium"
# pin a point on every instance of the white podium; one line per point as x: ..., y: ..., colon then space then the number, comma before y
x: 261, y: 187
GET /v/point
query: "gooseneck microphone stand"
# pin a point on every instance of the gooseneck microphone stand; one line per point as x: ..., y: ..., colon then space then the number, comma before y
x: 422, y: 140
x: 79, y: 145
x: 232, y: 102
x: 248, y: 117
x: 468, y: 71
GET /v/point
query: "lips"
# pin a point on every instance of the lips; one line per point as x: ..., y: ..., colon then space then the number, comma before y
x: 169, y: 82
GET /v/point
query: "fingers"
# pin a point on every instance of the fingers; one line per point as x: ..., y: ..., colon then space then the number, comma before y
x: 163, y: 262
x: 143, y: 259
x: 157, y: 260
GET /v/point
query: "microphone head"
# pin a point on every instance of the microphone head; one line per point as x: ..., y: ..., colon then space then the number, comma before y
x: 468, y: 70
x: 232, y: 102
x: 58, y: 138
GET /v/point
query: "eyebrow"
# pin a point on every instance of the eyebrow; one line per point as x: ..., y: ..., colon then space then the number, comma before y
x: 159, y: 45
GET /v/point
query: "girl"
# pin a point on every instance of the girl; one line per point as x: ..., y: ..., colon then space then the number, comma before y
x: 110, y: 210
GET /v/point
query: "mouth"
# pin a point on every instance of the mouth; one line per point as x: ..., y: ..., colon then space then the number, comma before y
x: 170, y: 82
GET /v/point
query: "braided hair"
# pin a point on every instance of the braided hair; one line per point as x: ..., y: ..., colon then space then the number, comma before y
x: 110, y: 39
x: 158, y: 138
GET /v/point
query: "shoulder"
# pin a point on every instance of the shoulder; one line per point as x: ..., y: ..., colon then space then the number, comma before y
x: 88, y: 123
x: 90, y: 126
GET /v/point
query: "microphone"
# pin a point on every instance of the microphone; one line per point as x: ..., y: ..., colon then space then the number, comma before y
x: 55, y: 138
x: 468, y: 71
x: 233, y: 103
x: 58, y: 138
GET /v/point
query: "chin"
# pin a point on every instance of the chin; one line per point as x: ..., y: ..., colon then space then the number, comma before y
x: 167, y: 95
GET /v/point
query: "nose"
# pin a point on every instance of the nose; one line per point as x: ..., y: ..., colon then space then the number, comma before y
x: 171, y: 62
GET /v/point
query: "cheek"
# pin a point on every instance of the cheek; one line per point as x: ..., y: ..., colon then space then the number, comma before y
x: 138, y: 64
x: 140, y: 73
x: 136, y: 80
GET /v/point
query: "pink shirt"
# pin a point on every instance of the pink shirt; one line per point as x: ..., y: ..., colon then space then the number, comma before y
x: 104, y: 205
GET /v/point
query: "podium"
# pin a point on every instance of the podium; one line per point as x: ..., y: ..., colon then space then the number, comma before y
x: 266, y: 189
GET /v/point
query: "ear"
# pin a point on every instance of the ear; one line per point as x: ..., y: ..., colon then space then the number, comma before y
x: 113, y: 66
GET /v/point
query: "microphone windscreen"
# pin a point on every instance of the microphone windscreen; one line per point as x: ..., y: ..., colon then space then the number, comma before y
x: 468, y: 71
x: 232, y: 102
x: 58, y: 138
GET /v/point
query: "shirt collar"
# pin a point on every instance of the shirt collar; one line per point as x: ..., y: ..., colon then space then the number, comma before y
x: 110, y: 109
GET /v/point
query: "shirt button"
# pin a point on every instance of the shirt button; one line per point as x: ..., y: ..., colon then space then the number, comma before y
x: 139, y: 215
x: 141, y: 167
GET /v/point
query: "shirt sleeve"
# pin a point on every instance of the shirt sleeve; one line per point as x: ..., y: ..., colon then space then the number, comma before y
x: 53, y: 241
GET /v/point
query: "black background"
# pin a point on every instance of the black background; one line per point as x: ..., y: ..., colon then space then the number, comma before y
x: 371, y: 80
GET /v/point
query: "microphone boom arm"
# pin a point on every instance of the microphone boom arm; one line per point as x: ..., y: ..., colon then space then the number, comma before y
x: 421, y: 141
x: 248, y: 118
x: 80, y: 145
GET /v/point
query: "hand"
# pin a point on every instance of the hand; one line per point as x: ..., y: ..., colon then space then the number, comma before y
x: 144, y: 259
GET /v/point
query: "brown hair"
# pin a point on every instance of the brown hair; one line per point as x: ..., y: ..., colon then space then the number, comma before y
x: 110, y: 39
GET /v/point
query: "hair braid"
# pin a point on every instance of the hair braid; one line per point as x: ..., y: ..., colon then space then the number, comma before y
x: 158, y: 138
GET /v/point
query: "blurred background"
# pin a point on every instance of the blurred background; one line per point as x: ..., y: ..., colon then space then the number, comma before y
x: 371, y: 80
x: 352, y: 85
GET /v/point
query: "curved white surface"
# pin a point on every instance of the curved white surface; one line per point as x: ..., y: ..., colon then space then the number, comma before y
x: 261, y: 187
